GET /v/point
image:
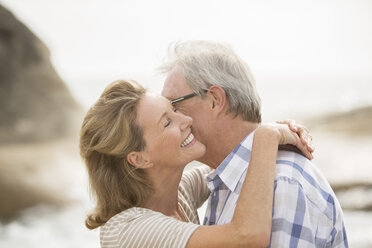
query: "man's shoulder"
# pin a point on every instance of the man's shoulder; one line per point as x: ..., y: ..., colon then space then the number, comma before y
x: 296, y: 169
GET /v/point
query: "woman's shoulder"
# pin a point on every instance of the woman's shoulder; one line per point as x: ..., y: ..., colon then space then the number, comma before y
x: 195, y: 174
x: 193, y: 181
x: 141, y: 227
x: 129, y: 215
x: 124, y: 221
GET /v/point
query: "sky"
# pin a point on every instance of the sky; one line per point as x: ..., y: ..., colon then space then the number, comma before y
x: 94, y: 42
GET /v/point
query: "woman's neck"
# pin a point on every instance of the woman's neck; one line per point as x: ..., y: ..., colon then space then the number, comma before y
x: 164, y: 198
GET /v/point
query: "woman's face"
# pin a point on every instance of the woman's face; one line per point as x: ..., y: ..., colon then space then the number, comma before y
x: 167, y: 133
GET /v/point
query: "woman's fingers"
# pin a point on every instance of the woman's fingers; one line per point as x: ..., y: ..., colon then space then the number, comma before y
x: 303, y: 134
x: 305, y: 137
x: 304, y: 148
x: 296, y: 141
x: 291, y: 124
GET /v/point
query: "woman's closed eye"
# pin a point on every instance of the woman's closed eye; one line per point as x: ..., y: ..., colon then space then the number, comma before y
x: 167, y: 123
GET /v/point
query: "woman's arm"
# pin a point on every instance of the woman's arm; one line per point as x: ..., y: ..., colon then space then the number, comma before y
x: 251, y: 223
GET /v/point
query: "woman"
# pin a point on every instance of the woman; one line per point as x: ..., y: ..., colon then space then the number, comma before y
x: 136, y: 146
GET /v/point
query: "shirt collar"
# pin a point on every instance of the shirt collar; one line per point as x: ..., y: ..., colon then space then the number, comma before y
x: 233, y: 166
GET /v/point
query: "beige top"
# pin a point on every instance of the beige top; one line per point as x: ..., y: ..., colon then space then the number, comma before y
x: 141, y: 227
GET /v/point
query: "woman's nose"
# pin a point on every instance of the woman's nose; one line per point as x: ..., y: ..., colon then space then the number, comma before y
x: 186, y: 121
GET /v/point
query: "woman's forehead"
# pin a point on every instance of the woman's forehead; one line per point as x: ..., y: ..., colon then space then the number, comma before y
x: 153, y: 97
x: 151, y: 108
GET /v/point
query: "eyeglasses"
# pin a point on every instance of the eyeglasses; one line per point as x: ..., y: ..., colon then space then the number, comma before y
x: 180, y: 99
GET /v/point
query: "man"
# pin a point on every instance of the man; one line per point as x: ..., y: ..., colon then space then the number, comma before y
x: 210, y: 83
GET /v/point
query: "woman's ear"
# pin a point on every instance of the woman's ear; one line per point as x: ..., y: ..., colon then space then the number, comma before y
x: 218, y: 98
x: 139, y: 160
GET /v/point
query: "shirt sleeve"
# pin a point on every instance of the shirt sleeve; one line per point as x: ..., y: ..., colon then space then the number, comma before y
x: 297, y: 221
x: 194, y: 184
x: 147, y: 230
x: 338, y: 237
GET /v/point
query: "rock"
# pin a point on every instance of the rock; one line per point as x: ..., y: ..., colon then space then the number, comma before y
x: 35, y: 105
x: 39, y: 123
x: 48, y: 173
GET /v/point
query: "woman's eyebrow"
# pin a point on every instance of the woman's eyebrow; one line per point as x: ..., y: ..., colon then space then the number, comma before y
x: 162, y: 116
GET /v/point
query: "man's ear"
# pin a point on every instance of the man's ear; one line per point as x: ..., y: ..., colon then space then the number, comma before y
x: 139, y: 160
x: 218, y: 98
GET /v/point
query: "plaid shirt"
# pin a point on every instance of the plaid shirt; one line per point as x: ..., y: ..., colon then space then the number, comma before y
x: 306, y: 212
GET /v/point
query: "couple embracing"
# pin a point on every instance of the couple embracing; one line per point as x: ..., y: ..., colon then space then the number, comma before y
x: 260, y: 193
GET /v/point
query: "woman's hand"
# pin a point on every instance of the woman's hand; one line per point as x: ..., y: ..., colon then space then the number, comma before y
x: 301, y: 131
x: 289, y: 133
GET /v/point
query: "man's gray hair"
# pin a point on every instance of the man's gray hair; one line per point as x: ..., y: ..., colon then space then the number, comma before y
x: 206, y: 63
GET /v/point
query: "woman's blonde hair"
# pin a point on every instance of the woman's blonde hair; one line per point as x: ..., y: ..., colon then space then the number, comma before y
x: 108, y: 133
